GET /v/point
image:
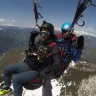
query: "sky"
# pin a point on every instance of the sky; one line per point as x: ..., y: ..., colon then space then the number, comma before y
x: 20, y: 13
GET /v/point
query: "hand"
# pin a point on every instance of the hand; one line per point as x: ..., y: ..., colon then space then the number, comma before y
x: 80, y: 42
x: 50, y: 71
x: 26, y: 52
x: 34, y: 33
x: 31, y: 43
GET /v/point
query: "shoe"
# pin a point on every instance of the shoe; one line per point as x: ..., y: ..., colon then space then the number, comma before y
x: 5, y: 90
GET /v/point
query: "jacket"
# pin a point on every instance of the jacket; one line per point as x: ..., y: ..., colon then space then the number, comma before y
x: 50, y: 56
x: 69, y: 49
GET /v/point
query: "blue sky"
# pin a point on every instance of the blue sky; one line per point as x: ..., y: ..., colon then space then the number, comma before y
x: 19, y: 13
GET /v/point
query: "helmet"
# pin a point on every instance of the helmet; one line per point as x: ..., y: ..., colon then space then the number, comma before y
x: 67, y: 27
x: 47, y: 26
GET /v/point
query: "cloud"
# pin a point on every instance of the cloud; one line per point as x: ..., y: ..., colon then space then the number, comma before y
x: 13, y: 21
x: 91, y: 29
x: 9, y: 25
x: 2, y: 20
x: 9, y: 20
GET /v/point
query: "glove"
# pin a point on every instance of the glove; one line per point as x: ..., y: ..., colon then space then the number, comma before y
x: 50, y: 71
x: 31, y: 44
x: 33, y: 34
x: 80, y: 42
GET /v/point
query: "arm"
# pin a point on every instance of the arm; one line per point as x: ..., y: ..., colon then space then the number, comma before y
x: 57, y: 60
x: 78, y: 48
x: 77, y: 55
x: 33, y: 35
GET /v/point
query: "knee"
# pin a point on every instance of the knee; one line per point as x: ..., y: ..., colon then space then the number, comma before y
x: 16, y: 79
x: 6, y: 69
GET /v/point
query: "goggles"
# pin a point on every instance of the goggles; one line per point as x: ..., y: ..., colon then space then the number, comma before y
x: 44, y: 33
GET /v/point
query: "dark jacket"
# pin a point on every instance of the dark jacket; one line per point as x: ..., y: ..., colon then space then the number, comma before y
x: 43, y: 60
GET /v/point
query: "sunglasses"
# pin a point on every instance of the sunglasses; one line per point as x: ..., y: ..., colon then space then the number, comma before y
x: 44, y: 33
x: 64, y: 31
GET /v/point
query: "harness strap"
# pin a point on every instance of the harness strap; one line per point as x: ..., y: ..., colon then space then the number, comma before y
x: 52, y: 44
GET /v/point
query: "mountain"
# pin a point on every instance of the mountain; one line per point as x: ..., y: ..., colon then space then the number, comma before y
x: 78, y: 80
x: 9, y: 27
x: 13, y: 36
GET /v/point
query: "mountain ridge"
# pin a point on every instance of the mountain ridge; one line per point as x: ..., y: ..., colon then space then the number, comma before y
x: 14, y: 37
